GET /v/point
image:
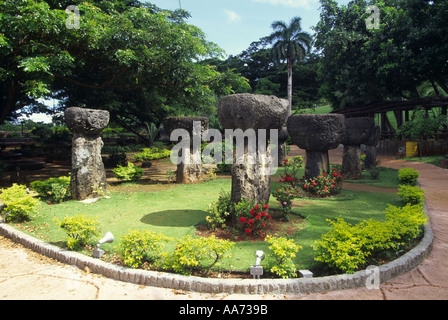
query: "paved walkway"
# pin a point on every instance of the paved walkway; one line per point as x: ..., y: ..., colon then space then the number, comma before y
x: 27, y: 275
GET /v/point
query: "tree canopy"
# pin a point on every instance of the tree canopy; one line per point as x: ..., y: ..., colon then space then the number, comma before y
x: 137, y: 61
x: 360, y: 65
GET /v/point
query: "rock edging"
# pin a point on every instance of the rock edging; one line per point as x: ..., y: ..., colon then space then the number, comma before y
x: 405, y: 263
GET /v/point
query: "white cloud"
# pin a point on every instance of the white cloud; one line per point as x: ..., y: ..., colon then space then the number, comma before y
x: 232, y: 16
x: 290, y: 3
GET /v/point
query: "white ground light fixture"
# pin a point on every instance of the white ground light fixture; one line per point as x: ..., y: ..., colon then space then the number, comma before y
x: 108, y: 238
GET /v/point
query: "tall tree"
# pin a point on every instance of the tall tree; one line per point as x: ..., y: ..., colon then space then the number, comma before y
x: 290, y: 43
x: 360, y: 65
x: 133, y: 59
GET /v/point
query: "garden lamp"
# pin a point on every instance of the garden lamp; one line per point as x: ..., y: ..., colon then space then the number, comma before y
x: 257, y: 270
x: 108, y: 238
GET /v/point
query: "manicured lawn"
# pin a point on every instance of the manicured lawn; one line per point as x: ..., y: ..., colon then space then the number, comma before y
x: 175, y: 212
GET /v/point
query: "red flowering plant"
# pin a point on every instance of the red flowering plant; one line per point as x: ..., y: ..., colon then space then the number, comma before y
x: 325, y: 185
x: 291, y: 171
x: 252, y: 218
x: 284, y: 196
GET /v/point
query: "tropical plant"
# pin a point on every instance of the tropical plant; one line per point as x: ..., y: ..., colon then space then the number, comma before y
x: 290, y: 43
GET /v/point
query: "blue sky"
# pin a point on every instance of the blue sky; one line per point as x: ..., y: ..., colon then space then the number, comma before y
x: 234, y: 24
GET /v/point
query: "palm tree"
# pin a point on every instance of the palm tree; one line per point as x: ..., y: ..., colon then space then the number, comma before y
x: 290, y: 44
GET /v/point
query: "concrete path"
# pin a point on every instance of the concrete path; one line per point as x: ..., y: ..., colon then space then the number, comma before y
x: 27, y: 275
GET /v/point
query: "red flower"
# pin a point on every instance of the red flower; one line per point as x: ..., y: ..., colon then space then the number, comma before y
x: 243, y: 220
x: 252, y: 211
x: 251, y: 221
x: 268, y: 216
x: 263, y: 214
x: 258, y: 217
x: 266, y: 206
x: 248, y: 231
x: 263, y: 224
x: 257, y: 207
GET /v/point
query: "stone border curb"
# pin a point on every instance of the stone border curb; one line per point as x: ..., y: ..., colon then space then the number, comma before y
x: 405, y: 263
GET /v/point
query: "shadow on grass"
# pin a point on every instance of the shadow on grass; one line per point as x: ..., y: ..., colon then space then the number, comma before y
x: 175, y: 218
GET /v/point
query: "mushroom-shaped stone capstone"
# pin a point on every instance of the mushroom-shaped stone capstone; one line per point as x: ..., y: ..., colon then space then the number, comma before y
x: 316, y: 133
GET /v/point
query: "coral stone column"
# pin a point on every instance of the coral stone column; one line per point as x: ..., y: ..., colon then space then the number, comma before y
x: 189, y: 172
x: 253, y: 114
x: 88, y: 176
x: 358, y: 131
x: 316, y: 133
x: 371, y: 144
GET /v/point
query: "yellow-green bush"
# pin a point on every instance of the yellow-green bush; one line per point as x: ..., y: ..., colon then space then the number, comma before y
x: 148, y: 154
x: 283, y: 252
x: 199, y: 254
x: 129, y: 173
x: 411, y: 194
x: 348, y: 247
x: 138, y: 247
x: 408, y: 176
x: 80, y: 229
x: 19, y: 204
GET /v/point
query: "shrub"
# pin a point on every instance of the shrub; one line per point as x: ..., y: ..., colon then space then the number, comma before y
x: 80, y: 229
x: 407, y: 221
x: 219, y: 211
x: 253, y: 219
x: 411, y: 194
x: 291, y: 171
x: 347, y: 247
x: 138, y: 247
x: 341, y: 247
x: 53, y: 189
x: 284, y: 196
x: 408, y: 176
x: 199, y: 254
x: 325, y: 184
x: 155, y: 153
x: 283, y: 253
x: 129, y: 173
x: 19, y: 204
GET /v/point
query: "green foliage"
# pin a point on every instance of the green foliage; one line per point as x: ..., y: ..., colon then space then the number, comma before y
x: 148, y: 154
x: 408, y: 176
x: 138, y: 247
x: 80, y: 229
x: 422, y: 125
x: 284, y: 195
x: 199, y: 254
x: 348, y: 247
x: 283, y: 253
x: 129, y: 173
x: 219, y: 211
x: 411, y: 194
x: 19, y: 203
x: 253, y: 218
x: 325, y: 184
x: 53, y: 189
x: 360, y: 65
x: 407, y: 221
x: 290, y: 174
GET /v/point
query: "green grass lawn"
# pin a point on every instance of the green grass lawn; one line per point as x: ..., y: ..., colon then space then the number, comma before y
x: 175, y: 212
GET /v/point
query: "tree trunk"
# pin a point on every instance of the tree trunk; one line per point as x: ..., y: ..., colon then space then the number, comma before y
x: 290, y: 85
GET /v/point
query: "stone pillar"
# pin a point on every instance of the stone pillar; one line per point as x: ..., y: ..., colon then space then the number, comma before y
x: 189, y: 172
x: 253, y: 114
x: 371, y: 144
x: 358, y: 131
x: 282, y: 137
x: 88, y: 175
x: 316, y: 133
